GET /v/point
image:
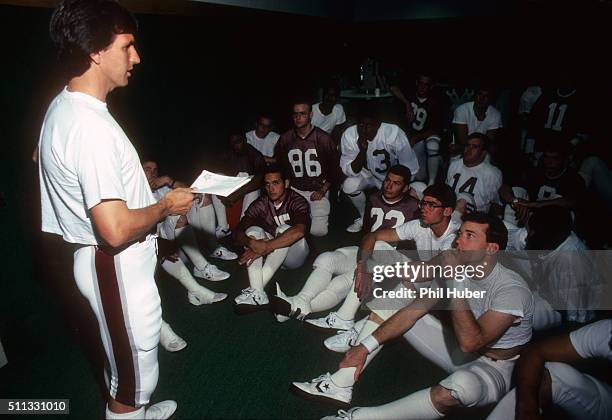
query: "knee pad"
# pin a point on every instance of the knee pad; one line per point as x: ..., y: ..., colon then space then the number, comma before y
x: 329, y: 261
x: 432, y: 145
x: 465, y: 386
x: 256, y: 232
x: 351, y: 185
x: 418, y: 187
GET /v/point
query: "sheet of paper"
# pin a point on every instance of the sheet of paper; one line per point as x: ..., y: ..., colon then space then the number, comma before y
x: 211, y: 183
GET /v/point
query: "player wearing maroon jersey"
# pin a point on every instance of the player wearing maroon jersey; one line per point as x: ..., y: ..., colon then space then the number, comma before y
x: 332, y: 277
x: 310, y: 159
x: 424, y: 116
x: 272, y: 232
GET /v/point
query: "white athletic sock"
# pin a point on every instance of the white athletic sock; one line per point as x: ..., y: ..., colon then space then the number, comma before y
x: 433, y: 163
x: 334, y: 294
x: 273, y: 262
x: 220, y: 212
x: 350, y: 306
x: 416, y: 406
x: 359, y: 201
x: 344, y: 377
x: 183, y: 275
x: 189, y: 245
x: 138, y: 414
x: 255, y: 273
x: 318, y: 280
x: 325, y: 300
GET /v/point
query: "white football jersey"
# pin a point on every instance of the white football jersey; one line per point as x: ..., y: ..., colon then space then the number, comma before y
x: 482, y: 181
x: 464, y: 114
x: 328, y: 122
x: 389, y: 147
x: 264, y: 146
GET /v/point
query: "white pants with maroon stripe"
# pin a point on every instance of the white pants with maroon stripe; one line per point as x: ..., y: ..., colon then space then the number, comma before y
x: 121, y: 291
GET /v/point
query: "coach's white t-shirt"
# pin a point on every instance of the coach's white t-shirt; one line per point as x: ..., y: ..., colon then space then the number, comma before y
x: 481, y: 181
x: 464, y: 114
x: 266, y: 145
x: 84, y: 158
x: 328, y: 122
x: 428, y: 245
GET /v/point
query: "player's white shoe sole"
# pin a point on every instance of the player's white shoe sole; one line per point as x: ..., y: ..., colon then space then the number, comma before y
x: 224, y: 254
x: 331, y: 322
x: 170, y: 340
x: 356, y: 226
x: 198, y: 299
x: 251, y: 300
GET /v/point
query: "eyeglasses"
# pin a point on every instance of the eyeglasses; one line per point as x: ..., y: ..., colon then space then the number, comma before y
x: 429, y: 204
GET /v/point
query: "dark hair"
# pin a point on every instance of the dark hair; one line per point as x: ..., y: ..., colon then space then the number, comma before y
x: 79, y: 28
x: 496, y: 230
x: 274, y: 169
x: 443, y: 193
x: 548, y: 227
x: 556, y: 143
x: 368, y: 110
x: 402, y: 171
x: 482, y: 137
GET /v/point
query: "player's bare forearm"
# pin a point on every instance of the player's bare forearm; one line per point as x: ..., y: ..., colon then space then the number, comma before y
x: 397, y: 92
x: 288, y: 237
x: 506, y: 194
x: 401, y: 321
x: 359, y: 161
x: 460, y: 131
x: 117, y: 225
x: 530, y: 368
x: 241, y: 237
x: 475, y: 335
x: 417, y: 137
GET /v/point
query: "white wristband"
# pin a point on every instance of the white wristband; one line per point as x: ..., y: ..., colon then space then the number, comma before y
x: 370, y: 343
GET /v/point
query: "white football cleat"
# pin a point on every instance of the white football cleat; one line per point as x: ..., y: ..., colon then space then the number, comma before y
x: 224, y: 254
x: 221, y: 232
x: 251, y: 300
x: 160, y: 411
x: 210, y: 272
x: 342, y: 341
x: 323, y: 389
x: 331, y: 322
x: 342, y: 415
x: 356, y: 226
x: 198, y: 299
x: 170, y: 340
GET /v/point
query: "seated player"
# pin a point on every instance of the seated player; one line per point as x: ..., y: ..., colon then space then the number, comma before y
x: 489, y: 334
x: 332, y: 276
x: 424, y: 115
x: 263, y: 138
x: 544, y: 378
x: 477, y: 116
x: 178, y: 228
x: 433, y: 232
x: 309, y: 158
x: 272, y: 232
x: 552, y: 184
x: 567, y: 275
x: 474, y: 179
x: 328, y: 114
x: 369, y: 149
x: 241, y: 160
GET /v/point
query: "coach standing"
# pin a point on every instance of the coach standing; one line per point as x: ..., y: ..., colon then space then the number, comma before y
x: 95, y: 195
